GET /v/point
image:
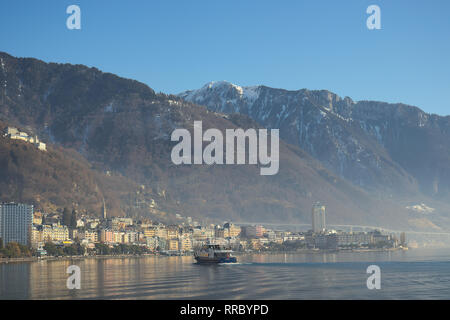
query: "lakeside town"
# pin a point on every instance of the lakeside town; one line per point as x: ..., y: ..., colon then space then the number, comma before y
x: 26, y: 233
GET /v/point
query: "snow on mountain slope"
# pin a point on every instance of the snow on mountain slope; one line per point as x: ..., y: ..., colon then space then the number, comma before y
x: 376, y: 145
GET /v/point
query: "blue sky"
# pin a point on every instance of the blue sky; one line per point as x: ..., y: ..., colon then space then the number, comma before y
x: 177, y: 45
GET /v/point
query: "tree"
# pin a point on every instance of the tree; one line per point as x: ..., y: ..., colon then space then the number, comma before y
x: 80, y: 249
x: 24, y: 250
x: 12, y: 250
x: 70, y: 250
x: 51, y: 249
x: 102, y: 249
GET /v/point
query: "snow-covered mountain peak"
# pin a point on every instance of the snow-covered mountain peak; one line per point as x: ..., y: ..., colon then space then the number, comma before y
x: 222, y: 92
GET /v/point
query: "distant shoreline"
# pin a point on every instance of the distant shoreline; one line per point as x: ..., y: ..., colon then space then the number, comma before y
x: 121, y: 256
x: 64, y: 258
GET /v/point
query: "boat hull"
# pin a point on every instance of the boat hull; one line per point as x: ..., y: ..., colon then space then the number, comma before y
x: 208, y: 260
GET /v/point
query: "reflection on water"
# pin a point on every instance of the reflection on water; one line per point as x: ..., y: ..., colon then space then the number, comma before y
x: 405, y: 275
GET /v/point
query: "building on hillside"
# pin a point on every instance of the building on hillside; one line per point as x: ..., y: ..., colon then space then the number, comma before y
x: 161, y: 232
x: 37, y: 239
x: 132, y: 236
x: 92, y: 223
x: 152, y: 243
x: 90, y: 235
x: 329, y: 241
x: 172, y: 232
x: 173, y: 244
x: 185, y: 243
x: 73, y: 234
x: 106, y: 236
x: 254, y: 231
x: 150, y: 232
x: 55, y: 233
x: 37, y: 218
x: 120, y: 223
x: 15, y: 134
x: 354, y: 239
x: 80, y: 223
x: 256, y: 243
x: 378, y: 237
x: 163, y: 244
x: 117, y: 237
x: 231, y: 230
x: 202, y: 234
x: 219, y: 233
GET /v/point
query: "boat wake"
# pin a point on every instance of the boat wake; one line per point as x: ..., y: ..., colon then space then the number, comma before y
x: 234, y: 264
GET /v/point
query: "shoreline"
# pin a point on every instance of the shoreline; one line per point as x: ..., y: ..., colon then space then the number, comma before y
x: 64, y: 258
x: 121, y: 256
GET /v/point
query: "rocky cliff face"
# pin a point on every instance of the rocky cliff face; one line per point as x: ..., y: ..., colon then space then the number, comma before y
x: 386, y: 148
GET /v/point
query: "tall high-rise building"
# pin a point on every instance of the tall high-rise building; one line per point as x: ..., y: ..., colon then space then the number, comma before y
x: 15, y: 223
x: 403, y: 239
x: 318, y: 218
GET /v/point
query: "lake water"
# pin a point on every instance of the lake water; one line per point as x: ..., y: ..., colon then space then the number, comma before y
x: 413, y: 274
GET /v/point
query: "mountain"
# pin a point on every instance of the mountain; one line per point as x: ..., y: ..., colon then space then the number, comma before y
x: 121, y: 129
x: 57, y: 178
x: 381, y: 147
